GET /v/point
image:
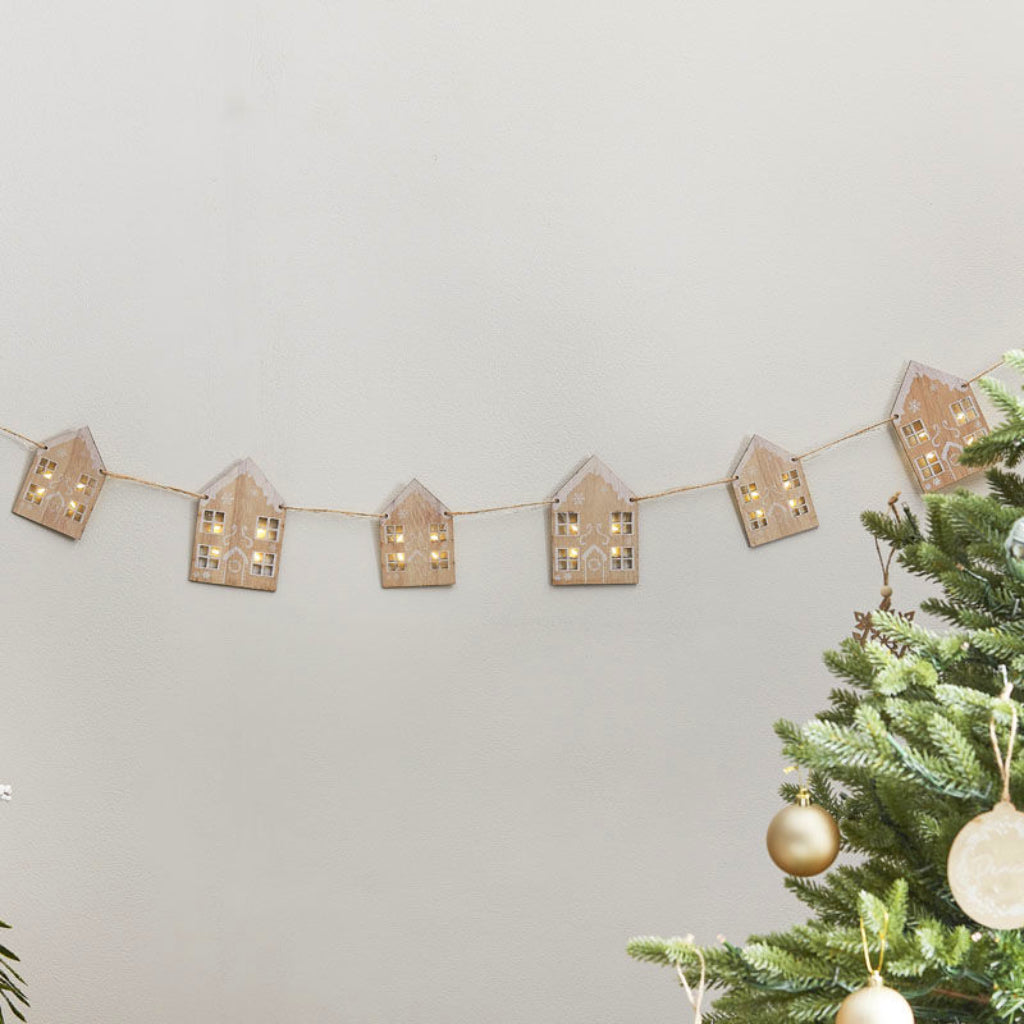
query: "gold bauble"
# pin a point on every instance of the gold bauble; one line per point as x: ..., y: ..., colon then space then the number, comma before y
x: 986, y: 867
x: 803, y: 839
x: 875, y: 1004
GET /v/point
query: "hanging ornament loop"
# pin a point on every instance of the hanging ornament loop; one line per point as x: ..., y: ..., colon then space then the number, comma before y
x: 1004, y: 762
x: 695, y: 996
x: 875, y: 973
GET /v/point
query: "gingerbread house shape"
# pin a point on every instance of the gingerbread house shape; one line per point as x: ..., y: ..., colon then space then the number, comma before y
x: 63, y: 483
x: 239, y: 530
x: 594, y: 529
x: 771, y: 494
x: 935, y: 417
x: 417, y: 540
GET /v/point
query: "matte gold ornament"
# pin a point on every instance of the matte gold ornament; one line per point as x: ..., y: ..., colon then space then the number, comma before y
x: 876, y: 1003
x: 986, y: 861
x: 803, y: 839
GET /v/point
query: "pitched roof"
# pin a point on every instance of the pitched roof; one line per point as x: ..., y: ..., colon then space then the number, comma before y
x: 758, y: 442
x: 411, y: 488
x: 915, y: 370
x: 83, y: 433
x: 248, y: 467
x: 595, y: 466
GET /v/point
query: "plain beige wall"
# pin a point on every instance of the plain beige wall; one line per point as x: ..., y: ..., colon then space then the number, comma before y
x: 472, y: 242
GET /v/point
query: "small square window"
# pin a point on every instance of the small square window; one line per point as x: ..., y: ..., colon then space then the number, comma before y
x: 208, y: 557
x: 756, y: 519
x: 929, y: 465
x: 262, y: 563
x: 965, y: 410
x: 567, y: 559
x: 790, y: 480
x: 396, y: 562
x: 46, y: 468
x: 622, y: 558
x: 750, y: 492
x: 85, y: 485
x: 267, y: 528
x: 76, y: 511
x: 915, y: 434
x: 567, y: 523
x: 969, y: 439
x: 438, y: 531
x: 438, y: 559
x: 213, y: 522
x: 798, y: 506
x: 394, y: 533
x: 35, y: 493
x: 622, y: 523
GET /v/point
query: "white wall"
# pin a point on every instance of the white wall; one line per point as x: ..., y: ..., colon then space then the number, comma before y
x: 472, y: 242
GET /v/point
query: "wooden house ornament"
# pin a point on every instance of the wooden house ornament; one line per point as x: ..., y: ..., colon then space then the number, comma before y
x: 239, y: 530
x: 771, y: 494
x: 417, y: 540
x: 936, y: 416
x: 594, y: 529
x: 63, y: 483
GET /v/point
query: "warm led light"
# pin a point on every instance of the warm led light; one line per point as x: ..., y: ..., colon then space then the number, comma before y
x: 39, y: 490
x: 434, y: 536
x: 615, y: 552
x: 792, y: 502
x: 215, y: 552
x: 49, y: 476
x: 616, y: 527
x: 261, y: 533
x: 574, y: 528
x: 969, y: 440
x: 400, y: 539
x: 218, y: 528
x: 787, y: 484
x: 573, y: 552
x: 257, y: 556
x: 922, y: 436
x: 401, y: 556
x: 932, y: 457
x: 435, y: 555
x: 760, y: 513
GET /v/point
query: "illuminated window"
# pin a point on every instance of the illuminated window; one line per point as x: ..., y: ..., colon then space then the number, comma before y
x: 35, y: 493
x: 85, y: 485
x: 929, y: 465
x: 750, y: 492
x: 267, y: 528
x: 622, y: 522
x: 568, y: 559
x: 213, y: 522
x: 207, y: 557
x: 46, y: 467
x: 756, y: 519
x: 965, y: 410
x: 971, y: 438
x: 622, y: 558
x: 394, y: 533
x: 396, y: 562
x: 568, y: 523
x: 438, y: 559
x: 262, y: 563
x: 438, y: 531
x: 915, y: 434
x: 76, y: 511
x: 790, y: 479
x: 798, y: 506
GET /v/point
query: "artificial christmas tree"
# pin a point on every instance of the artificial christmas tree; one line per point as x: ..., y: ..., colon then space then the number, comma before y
x: 903, y: 758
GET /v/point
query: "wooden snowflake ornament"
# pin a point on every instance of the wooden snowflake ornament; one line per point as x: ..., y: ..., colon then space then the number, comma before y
x: 771, y: 493
x: 63, y: 483
x: 417, y: 540
x: 239, y: 530
x: 935, y: 417
x: 594, y: 529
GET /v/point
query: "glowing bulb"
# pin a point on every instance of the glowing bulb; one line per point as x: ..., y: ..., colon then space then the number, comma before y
x: 216, y: 552
x: 760, y: 513
x: 434, y: 555
x: 218, y: 528
x: 434, y: 536
x: 922, y: 436
x: 401, y: 556
x: 787, y: 484
x: 257, y: 556
x: 261, y: 533
x: 400, y: 538
x: 573, y: 552
x: 615, y: 528
x: 48, y: 475
x: 615, y: 551
x: 72, y: 504
x: 40, y: 490
x: 969, y: 440
x: 792, y: 502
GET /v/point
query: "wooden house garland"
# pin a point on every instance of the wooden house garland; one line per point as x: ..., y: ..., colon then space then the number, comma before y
x: 239, y: 530
x: 594, y: 529
x: 63, y: 483
x: 771, y: 494
x: 936, y: 416
x: 417, y: 540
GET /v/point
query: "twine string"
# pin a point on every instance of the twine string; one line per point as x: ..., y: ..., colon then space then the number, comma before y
x: 1002, y: 762
x: 152, y: 483
x: 681, y: 489
x: 696, y: 998
x: 883, y: 938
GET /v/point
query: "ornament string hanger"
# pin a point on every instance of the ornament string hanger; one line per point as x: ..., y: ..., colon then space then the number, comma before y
x: 1004, y: 762
x: 875, y: 973
x: 695, y: 996
x: 803, y: 794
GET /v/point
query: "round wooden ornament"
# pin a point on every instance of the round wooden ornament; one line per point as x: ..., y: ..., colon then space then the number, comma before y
x: 986, y: 861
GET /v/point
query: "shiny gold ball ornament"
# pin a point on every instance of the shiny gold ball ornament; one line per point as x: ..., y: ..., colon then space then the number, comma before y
x: 803, y: 838
x: 986, y: 867
x: 876, y: 1003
